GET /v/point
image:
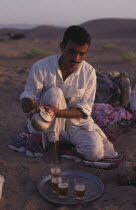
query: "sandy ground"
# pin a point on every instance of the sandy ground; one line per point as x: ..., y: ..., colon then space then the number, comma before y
x: 22, y: 173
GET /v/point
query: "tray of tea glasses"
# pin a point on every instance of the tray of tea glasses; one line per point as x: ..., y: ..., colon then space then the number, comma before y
x: 94, y: 187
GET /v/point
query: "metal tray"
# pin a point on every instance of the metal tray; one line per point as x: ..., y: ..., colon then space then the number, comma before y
x: 94, y: 188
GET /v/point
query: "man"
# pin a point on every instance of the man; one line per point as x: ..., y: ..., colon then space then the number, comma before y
x: 68, y: 85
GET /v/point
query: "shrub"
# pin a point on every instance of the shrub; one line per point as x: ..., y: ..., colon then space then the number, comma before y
x: 109, y: 46
x: 37, y: 53
x: 130, y: 57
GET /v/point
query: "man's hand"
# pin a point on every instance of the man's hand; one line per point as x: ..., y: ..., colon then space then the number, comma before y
x: 28, y: 104
x: 55, y: 110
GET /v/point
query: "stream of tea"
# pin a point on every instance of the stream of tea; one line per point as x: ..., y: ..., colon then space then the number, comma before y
x: 55, y: 148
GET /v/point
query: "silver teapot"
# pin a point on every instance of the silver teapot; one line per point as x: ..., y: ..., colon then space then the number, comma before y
x: 42, y: 119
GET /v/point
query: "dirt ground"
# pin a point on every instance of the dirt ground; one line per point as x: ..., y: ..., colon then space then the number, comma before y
x: 22, y: 173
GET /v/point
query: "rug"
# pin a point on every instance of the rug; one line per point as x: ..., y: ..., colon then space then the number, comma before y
x: 31, y: 146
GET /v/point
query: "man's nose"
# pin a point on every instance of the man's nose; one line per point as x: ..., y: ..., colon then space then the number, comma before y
x: 76, y: 57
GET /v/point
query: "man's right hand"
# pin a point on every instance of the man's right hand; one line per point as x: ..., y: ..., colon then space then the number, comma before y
x: 28, y: 104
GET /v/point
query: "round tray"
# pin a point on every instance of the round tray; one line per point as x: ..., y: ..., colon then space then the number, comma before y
x: 94, y: 188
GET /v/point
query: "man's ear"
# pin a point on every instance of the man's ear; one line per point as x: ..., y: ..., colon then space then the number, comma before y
x: 61, y: 46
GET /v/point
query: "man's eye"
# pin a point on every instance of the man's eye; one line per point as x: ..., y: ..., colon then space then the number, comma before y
x: 72, y: 52
x: 82, y: 54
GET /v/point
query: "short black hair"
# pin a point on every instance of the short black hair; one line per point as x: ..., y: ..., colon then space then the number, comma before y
x: 76, y: 34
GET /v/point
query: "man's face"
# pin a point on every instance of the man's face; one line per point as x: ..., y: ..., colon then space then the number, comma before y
x: 73, y: 54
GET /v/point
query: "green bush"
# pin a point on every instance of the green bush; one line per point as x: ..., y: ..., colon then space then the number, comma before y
x: 109, y: 46
x: 37, y: 53
x: 130, y: 57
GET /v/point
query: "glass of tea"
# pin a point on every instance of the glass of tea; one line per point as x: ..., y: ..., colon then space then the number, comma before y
x: 80, y: 185
x: 54, y: 183
x: 55, y: 170
x: 63, y: 187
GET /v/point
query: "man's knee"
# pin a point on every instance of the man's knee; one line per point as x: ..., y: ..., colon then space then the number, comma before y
x: 91, y: 148
x: 94, y: 154
x: 53, y: 95
x: 91, y: 153
x: 55, y: 92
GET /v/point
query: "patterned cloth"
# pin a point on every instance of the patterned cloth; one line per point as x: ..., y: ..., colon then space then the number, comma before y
x: 30, y: 144
x: 112, y: 120
x: 105, y: 114
x: 101, y: 164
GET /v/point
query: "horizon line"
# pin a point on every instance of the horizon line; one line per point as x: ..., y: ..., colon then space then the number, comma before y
x: 5, y: 25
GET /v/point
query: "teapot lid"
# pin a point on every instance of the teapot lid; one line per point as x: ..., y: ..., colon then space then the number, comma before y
x: 45, y: 116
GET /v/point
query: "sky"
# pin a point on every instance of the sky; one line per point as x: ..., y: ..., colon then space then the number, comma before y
x: 63, y: 12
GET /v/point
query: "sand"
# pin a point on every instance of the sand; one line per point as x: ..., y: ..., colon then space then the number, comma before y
x: 22, y: 173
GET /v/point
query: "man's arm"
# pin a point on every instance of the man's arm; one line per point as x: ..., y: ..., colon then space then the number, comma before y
x: 68, y: 113
x: 34, y: 84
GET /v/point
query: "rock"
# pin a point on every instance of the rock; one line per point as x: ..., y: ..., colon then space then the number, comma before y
x: 16, y: 35
x: 127, y: 173
x: 22, y: 71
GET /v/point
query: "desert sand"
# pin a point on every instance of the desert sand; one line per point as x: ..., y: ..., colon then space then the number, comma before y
x: 22, y: 173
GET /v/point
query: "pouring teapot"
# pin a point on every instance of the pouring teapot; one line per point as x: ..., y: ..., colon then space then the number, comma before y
x: 42, y: 119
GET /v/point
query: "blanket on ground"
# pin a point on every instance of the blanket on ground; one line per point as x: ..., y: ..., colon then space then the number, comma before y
x: 23, y: 143
x: 112, y: 120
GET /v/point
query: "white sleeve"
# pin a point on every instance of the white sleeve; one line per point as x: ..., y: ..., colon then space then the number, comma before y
x: 87, y: 100
x: 34, y: 84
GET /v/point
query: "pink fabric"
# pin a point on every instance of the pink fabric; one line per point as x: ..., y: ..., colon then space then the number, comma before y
x: 104, y: 114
